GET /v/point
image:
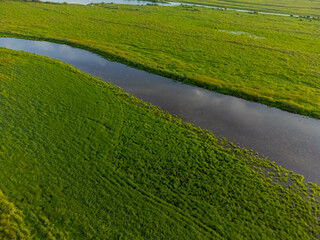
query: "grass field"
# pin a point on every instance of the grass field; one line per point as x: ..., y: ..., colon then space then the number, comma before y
x: 80, y: 159
x: 296, y: 7
x: 269, y: 59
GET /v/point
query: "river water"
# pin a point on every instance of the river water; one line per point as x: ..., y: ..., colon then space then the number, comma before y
x: 291, y: 140
x: 168, y: 4
x: 129, y: 2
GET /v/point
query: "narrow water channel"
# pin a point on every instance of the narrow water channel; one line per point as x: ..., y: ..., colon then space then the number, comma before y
x: 291, y: 140
x: 129, y: 2
x: 166, y: 4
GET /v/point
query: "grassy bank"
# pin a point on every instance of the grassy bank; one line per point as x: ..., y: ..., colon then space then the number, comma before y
x: 268, y: 59
x: 12, y: 225
x: 82, y: 160
x: 297, y: 7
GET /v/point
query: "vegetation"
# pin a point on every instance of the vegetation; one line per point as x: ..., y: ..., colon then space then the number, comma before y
x: 80, y: 159
x: 11, y: 221
x: 84, y: 160
x: 297, y: 7
x: 270, y: 59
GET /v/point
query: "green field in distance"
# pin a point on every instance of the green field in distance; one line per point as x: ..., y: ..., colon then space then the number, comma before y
x: 296, y: 7
x: 269, y: 59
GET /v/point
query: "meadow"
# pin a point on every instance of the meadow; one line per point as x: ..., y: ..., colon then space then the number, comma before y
x: 269, y: 59
x: 297, y: 7
x: 81, y: 159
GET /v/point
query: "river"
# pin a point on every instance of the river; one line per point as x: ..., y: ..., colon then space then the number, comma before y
x: 166, y: 4
x: 291, y: 140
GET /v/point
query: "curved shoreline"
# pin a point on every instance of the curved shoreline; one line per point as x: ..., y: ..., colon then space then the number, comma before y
x: 183, y: 79
x: 173, y: 4
x: 289, y: 140
x: 202, y: 191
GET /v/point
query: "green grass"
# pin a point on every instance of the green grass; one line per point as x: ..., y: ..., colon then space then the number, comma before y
x: 272, y: 60
x: 83, y: 160
x: 294, y: 7
x: 12, y: 225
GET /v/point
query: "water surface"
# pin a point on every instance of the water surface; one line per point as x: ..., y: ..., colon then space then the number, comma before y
x: 137, y: 2
x: 129, y: 2
x: 290, y: 140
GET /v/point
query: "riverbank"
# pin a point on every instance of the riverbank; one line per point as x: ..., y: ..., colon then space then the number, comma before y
x: 278, y: 67
x: 299, y: 7
x: 82, y: 159
x: 290, y: 140
x: 171, y: 4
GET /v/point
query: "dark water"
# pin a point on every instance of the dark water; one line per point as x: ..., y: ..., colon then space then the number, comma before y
x: 291, y: 140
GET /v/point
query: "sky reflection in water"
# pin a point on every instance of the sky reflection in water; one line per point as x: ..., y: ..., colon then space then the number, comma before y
x: 290, y: 140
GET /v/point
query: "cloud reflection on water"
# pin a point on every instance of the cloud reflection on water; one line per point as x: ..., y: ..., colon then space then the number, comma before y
x: 290, y: 140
